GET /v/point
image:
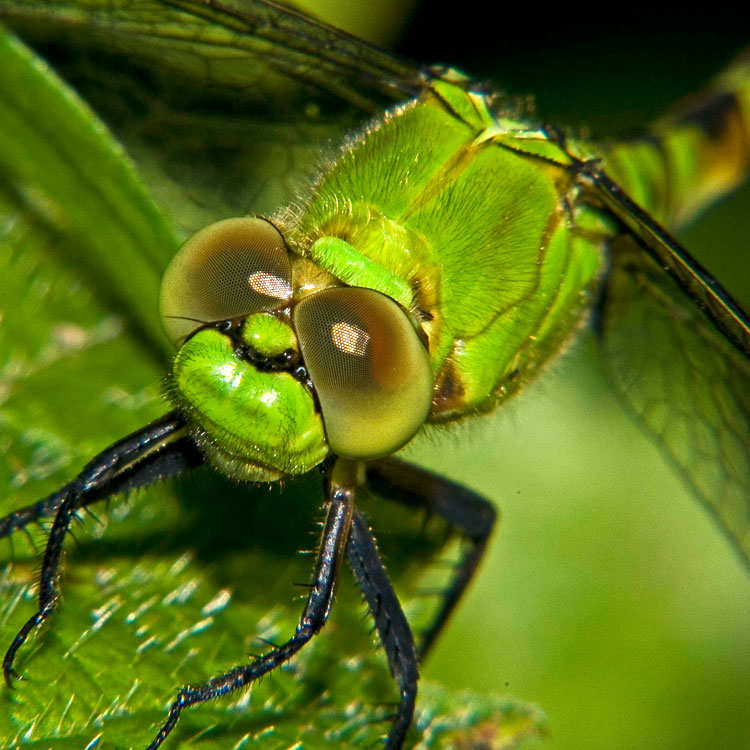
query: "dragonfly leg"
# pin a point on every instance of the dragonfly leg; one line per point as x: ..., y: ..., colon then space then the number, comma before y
x: 466, y: 511
x: 160, y: 450
x: 314, y: 616
x: 390, y: 621
x: 21, y: 518
x: 139, y: 471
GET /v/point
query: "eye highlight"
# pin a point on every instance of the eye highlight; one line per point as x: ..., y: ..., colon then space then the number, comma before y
x: 371, y: 372
x: 229, y: 269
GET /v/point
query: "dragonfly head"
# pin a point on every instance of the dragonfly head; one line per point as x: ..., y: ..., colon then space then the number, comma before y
x: 276, y: 375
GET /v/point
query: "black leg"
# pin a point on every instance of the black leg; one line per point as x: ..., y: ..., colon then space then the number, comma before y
x: 153, y: 463
x: 160, y: 450
x: 21, y: 518
x: 390, y: 622
x: 466, y: 511
x: 327, y: 567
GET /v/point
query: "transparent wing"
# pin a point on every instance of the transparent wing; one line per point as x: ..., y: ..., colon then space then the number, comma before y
x: 250, y: 46
x: 715, y: 302
x: 227, y: 108
x: 673, y: 350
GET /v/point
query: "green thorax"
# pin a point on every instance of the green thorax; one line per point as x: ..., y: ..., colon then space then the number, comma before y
x: 466, y: 219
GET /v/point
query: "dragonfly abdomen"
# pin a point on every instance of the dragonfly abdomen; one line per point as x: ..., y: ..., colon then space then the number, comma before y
x: 697, y: 153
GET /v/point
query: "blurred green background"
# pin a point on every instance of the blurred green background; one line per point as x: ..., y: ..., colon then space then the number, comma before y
x: 609, y: 596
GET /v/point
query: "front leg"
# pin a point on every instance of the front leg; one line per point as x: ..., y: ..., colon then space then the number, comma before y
x: 319, y: 601
x: 464, y: 510
x: 160, y: 450
x: 390, y: 622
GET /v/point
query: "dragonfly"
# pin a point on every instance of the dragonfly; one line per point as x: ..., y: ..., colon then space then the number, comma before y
x: 471, y: 328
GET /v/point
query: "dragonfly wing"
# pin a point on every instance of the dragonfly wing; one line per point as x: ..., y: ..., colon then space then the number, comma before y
x: 252, y: 47
x: 716, y: 303
x: 685, y: 378
x: 227, y: 109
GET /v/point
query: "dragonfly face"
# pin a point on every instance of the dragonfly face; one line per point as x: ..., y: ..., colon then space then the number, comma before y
x: 278, y: 365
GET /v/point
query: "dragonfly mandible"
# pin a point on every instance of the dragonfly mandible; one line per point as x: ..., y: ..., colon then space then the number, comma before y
x: 586, y: 197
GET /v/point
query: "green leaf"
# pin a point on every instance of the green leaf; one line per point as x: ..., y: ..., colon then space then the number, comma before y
x: 178, y: 583
x: 60, y: 166
x: 79, y: 235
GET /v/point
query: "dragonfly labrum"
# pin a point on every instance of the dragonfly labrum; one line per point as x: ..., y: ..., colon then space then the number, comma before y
x: 430, y: 266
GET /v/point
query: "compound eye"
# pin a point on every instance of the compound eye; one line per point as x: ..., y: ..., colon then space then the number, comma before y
x: 370, y: 370
x: 228, y: 270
